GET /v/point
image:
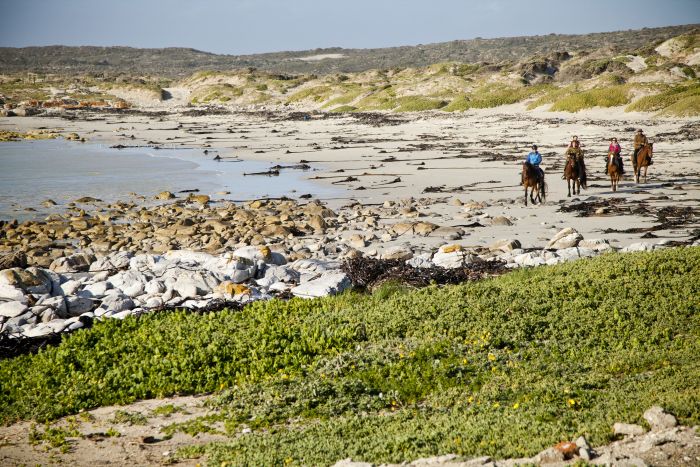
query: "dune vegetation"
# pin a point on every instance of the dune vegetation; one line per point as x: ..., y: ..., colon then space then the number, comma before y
x: 502, y: 367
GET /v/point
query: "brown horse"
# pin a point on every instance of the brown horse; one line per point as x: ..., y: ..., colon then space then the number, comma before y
x: 574, y: 171
x: 614, y: 171
x: 643, y: 159
x: 531, y: 179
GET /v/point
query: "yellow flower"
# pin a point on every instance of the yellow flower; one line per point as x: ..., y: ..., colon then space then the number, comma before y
x: 464, y: 361
x: 491, y: 357
x: 571, y: 402
x: 496, y: 405
x: 470, y: 399
x: 516, y: 405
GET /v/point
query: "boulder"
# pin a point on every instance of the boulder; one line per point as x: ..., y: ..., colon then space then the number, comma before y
x: 192, y: 284
x: 12, y: 309
x: 357, y: 241
x: 424, y: 228
x: 640, y: 246
x: 628, y: 429
x: 401, y: 253
x: 112, y: 262
x: 164, y: 195
x: 447, y: 233
x: 78, y: 305
x: 31, y: 280
x: 9, y: 292
x: 317, y: 223
x: 505, y: 245
x: 116, y: 303
x: 597, y: 244
x: 79, y: 262
x: 501, y: 220
x: 565, y: 238
x: 58, y: 306
x: 659, y: 419
x: 201, y: 199
x: 453, y: 256
x: 154, y: 287
x: 329, y: 283
x: 95, y: 290
x: 70, y: 287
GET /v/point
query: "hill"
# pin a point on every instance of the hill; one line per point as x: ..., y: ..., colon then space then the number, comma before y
x: 179, y: 62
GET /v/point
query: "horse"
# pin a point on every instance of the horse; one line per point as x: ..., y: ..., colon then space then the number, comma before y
x: 643, y: 159
x: 531, y: 179
x: 576, y: 171
x: 615, y: 172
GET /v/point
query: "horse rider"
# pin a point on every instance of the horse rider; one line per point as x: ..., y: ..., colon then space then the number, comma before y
x: 575, y: 150
x: 534, y: 158
x: 640, y: 140
x: 615, y: 150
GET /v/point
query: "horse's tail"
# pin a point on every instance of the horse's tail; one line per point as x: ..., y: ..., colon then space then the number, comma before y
x: 543, y: 190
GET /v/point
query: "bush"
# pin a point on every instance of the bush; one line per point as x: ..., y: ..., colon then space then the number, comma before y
x: 677, y: 100
x: 612, y: 96
x: 501, y: 367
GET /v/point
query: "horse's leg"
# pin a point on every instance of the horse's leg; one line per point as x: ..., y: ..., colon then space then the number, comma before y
x: 568, y: 186
x: 645, y: 173
x: 525, y: 193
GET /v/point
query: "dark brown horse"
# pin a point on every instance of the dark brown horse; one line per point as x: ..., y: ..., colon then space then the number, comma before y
x: 575, y: 172
x: 643, y: 159
x: 615, y: 171
x: 532, y: 179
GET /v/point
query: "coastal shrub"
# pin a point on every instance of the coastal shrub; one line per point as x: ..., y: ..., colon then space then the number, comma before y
x: 315, y: 93
x: 679, y: 98
x: 501, y: 367
x: 344, y: 108
x: 611, y: 96
x: 493, y: 96
x: 418, y: 103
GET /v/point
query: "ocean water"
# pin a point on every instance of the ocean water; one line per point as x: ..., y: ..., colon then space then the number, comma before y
x: 34, y: 171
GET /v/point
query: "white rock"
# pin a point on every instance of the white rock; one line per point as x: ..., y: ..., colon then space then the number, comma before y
x: 70, y: 287
x: 640, y: 246
x: 628, y: 429
x: 565, y: 238
x: 58, y: 305
x: 190, y: 284
x: 78, y: 305
x: 9, y: 292
x: 127, y: 279
x: 330, y: 283
x: 597, y: 244
x: 95, y: 290
x: 314, y: 266
x: 155, y: 287
x: 659, y: 419
x: 74, y: 263
x: 113, y: 261
x: 39, y: 331
x: 154, y: 302
x: 421, y: 261
x: 115, y: 304
x: 453, y: 256
x: 12, y: 309
x: 74, y: 326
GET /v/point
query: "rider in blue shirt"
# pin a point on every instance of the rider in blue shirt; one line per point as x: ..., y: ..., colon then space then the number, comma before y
x: 535, y: 158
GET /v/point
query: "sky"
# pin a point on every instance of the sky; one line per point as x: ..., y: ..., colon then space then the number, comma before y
x: 256, y: 26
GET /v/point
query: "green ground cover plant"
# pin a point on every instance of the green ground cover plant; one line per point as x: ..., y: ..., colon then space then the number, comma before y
x: 502, y: 367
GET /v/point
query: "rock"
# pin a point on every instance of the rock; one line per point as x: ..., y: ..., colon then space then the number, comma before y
x: 549, y: 456
x: 597, y: 244
x: 164, y: 195
x: 12, y: 309
x: 397, y: 252
x: 453, y: 256
x: 658, y: 419
x: 231, y: 289
x: 505, y: 245
x: 9, y: 292
x: 330, y: 283
x: 350, y: 463
x: 58, y: 306
x: 74, y: 263
x: 70, y: 287
x: 254, y: 253
x: 116, y: 303
x: 421, y: 261
x: 317, y: 223
x: 501, y: 220
x: 154, y: 287
x: 582, y: 442
x: 357, y: 241
x: 16, y: 259
x: 628, y: 429
x: 130, y: 282
x: 585, y: 453
x: 78, y: 305
x: 640, y: 246
x: 31, y: 280
x: 201, y: 199
x: 314, y: 266
x: 112, y: 262
x: 565, y: 238
x: 192, y: 284
x: 447, y: 233
x: 41, y: 330
x: 96, y: 290
x: 424, y: 228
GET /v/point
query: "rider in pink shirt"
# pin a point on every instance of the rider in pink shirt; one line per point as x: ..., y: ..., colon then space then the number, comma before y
x: 615, y: 149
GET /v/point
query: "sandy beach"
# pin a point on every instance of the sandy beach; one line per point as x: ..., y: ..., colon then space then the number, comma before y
x: 466, y: 166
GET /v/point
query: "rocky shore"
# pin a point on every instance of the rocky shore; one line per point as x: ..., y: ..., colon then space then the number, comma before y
x: 122, y: 259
